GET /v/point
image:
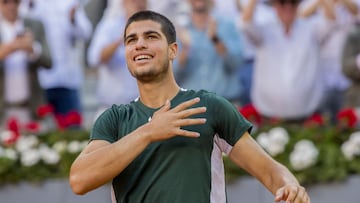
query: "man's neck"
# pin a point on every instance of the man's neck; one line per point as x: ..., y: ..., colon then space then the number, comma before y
x: 154, y: 95
x: 10, y: 20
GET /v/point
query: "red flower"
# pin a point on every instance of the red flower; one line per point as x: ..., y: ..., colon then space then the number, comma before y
x: 73, y: 118
x: 250, y: 113
x: 60, y: 121
x: 44, y: 110
x: 315, y: 120
x: 13, y: 126
x: 348, y: 117
x: 32, y: 127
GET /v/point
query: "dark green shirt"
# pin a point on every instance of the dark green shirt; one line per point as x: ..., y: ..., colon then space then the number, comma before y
x: 180, y: 169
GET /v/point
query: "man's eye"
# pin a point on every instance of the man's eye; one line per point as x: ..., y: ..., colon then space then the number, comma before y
x: 130, y: 41
x: 152, y: 37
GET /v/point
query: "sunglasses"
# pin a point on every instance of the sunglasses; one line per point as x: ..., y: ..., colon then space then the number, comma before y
x: 11, y: 1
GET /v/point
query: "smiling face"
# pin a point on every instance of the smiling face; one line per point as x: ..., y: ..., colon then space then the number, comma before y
x: 147, y: 51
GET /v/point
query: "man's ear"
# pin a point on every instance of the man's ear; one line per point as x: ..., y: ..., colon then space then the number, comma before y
x: 173, y: 49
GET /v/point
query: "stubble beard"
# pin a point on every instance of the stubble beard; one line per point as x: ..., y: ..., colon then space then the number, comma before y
x: 153, y: 74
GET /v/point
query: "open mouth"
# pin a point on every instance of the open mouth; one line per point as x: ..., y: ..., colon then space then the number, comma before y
x: 143, y: 57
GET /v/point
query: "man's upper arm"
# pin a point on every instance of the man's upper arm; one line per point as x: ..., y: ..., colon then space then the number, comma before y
x: 93, y: 146
x: 248, y: 155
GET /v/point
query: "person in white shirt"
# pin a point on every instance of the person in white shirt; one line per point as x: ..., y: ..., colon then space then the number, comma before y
x: 336, y: 83
x: 65, y: 24
x: 287, y: 81
x: 23, y: 50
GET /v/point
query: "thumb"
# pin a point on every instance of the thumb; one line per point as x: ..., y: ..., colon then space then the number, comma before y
x: 279, y: 195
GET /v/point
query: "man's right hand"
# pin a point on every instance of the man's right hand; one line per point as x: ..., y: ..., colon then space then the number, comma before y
x: 166, y: 123
x: 24, y: 42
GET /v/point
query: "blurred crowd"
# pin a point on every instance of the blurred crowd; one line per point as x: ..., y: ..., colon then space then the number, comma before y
x: 287, y: 59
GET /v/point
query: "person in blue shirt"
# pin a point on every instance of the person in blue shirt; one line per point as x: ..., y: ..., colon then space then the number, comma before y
x: 210, y: 52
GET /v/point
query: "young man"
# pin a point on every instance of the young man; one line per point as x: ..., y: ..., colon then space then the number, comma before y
x: 167, y: 145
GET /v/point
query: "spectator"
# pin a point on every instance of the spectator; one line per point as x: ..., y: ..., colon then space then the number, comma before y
x: 65, y: 24
x: 287, y: 81
x: 336, y: 82
x: 173, y: 9
x: 351, y: 66
x: 106, y: 52
x: 211, y: 52
x: 23, y: 50
x: 232, y: 10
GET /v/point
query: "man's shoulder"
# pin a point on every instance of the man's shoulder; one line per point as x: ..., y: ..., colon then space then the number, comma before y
x: 204, y: 95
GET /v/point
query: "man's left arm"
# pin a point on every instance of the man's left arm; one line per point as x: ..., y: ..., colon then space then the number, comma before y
x: 248, y: 155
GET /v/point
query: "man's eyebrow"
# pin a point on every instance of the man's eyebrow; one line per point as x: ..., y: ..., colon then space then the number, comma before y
x: 130, y: 36
x: 145, y: 33
x: 151, y: 32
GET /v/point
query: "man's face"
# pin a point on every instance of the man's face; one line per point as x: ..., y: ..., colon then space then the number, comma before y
x: 9, y: 9
x: 147, y: 51
x: 286, y: 9
x: 201, y: 5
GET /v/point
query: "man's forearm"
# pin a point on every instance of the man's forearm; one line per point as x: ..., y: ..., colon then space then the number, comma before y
x: 95, y: 168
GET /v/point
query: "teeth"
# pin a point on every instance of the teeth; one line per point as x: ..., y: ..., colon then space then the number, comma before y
x: 142, y: 57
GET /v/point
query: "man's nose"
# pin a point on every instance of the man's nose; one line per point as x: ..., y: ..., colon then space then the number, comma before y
x: 141, y: 43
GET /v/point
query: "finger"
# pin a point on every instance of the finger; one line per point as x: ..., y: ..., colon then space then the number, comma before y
x: 280, y: 195
x: 301, y: 196
x: 192, y: 111
x: 292, y: 193
x: 187, y: 133
x: 191, y: 121
x: 166, y: 106
x: 186, y: 104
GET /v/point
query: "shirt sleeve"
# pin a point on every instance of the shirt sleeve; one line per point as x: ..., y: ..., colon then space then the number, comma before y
x: 105, y: 127
x: 82, y: 27
x: 230, y: 125
x: 253, y: 33
x: 106, y: 32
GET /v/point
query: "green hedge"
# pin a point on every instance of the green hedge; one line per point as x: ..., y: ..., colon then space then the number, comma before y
x: 330, y: 164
